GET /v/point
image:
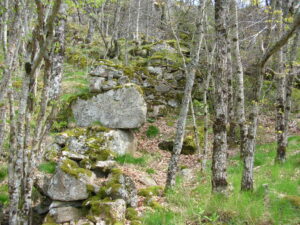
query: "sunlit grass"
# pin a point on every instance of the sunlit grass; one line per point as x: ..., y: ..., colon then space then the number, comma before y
x: 273, y: 201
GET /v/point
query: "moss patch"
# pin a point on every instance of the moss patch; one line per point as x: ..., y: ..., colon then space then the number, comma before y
x: 150, y: 191
x: 72, y: 168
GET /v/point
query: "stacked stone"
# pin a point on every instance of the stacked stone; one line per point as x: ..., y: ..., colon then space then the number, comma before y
x: 104, y: 78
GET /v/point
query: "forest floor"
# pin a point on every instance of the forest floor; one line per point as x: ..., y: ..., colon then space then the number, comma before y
x: 275, y: 199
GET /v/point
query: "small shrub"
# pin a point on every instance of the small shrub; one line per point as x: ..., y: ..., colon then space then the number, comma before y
x: 152, y: 131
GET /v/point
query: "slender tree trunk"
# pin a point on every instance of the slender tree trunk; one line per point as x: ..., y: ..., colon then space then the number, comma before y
x: 206, y: 109
x: 91, y: 30
x: 282, y: 134
x: 219, y: 160
x: 190, y: 71
x: 138, y: 20
x: 195, y: 129
x: 240, y: 103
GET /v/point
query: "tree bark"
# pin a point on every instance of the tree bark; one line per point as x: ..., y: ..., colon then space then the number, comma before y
x: 240, y: 103
x: 219, y: 160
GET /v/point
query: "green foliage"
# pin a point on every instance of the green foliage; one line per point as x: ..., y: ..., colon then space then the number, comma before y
x: 47, y: 167
x: 4, y: 197
x: 3, y: 173
x: 152, y: 131
x: 129, y: 159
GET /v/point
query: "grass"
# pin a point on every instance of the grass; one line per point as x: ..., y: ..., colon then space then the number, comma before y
x: 4, y: 197
x: 275, y: 199
x: 47, y: 167
x: 3, y: 173
x: 152, y: 131
x: 129, y: 159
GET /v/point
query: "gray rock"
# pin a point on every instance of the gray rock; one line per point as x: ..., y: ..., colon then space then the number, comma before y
x: 74, y: 156
x: 123, y: 80
x: 61, y: 139
x: 65, y: 187
x: 148, y: 181
x: 41, y: 182
x: 99, y: 71
x: 104, y: 165
x: 123, y: 108
x: 155, y: 70
x: 65, y: 214
x: 117, y: 209
x: 163, y: 47
x: 96, y: 84
x: 77, y: 145
x: 108, y: 85
x: 105, y: 71
x: 84, y: 222
x: 173, y: 103
x: 60, y: 204
x: 127, y: 190
x: 121, y: 141
x: 168, y: 76
x: 162, y: 88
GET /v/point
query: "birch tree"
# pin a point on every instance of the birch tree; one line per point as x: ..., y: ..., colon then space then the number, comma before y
x: 24, y: 147
x: 219, y: 157
x: 190, y: 71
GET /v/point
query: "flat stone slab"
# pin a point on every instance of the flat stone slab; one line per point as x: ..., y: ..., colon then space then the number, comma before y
x: 123, y: 108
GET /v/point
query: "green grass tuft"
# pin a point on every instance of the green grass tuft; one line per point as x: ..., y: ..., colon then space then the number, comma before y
x: 47, y: 167
x: 152, y: 131
x: 3, y: 173
x: 129, y: 159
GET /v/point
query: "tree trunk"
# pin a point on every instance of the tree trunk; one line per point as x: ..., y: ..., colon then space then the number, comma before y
x: 219, y: 160
x: 190, y: 71
x: 240, y: 103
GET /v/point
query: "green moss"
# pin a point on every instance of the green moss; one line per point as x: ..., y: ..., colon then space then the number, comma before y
x: 72, y: 168
x: 154, y: 204
x: 150, y: 191
x: 49, y: 220
x: 295, y: 200
x: 76, y: 132
x: 132, y: 214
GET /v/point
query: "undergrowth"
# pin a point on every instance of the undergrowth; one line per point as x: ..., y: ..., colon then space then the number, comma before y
x: 129, y: 159
x: 275, y: 199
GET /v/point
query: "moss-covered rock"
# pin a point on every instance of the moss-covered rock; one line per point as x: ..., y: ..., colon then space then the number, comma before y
x: 150, y: 191
x: 72, y: 168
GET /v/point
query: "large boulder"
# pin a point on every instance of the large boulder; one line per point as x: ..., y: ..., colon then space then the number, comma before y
x: 66, y: 187
x: 123, y: 108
